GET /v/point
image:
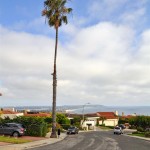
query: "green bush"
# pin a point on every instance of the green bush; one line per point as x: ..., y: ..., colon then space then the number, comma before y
x: 103, y: 125
x: 35, y: 126
x: 62, y: 119
x: 65, y: 126
x: 132, y: 127
x: 140, y: 129
x: 140, y: 121
x: 37, y: 130
x: 147, y: 134
x: 135, y: 132
x: 48, y: 120
x: 111, y: 127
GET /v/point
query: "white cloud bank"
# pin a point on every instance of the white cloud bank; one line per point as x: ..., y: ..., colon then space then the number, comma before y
x: 101, y: 65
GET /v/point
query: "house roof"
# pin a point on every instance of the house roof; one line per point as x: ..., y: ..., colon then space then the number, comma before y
x: 73, y: 115
x: 92, y: 115
x: 9, y: 112
x: 108, y: 115
x: 81, y: 115
x: 38, y: 115
x: 127, y: 117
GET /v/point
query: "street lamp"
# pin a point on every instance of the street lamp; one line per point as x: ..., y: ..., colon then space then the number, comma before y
x: 83, y: 111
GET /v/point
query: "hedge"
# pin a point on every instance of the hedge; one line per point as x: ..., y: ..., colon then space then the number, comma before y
x: 37, y: 130
x: 35, y: 126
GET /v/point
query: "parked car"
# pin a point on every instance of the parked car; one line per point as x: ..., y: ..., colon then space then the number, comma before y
x: 122, y: 126
x: 118, y: 130
x: 147, y: 129
x: 12, y: 129
x: 73, y: 130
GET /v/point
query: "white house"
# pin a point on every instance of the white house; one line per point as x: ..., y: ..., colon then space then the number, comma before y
x: 108, y: 118
x: 90, y: 121
x: 10, y: 114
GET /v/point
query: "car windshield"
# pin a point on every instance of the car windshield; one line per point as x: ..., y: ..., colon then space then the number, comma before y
x: 15, y: 125
x: 117, y: 128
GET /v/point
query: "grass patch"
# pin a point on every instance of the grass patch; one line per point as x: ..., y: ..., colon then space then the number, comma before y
x: 138, y: 134
x: 13, y: 140
x: 105, y: 128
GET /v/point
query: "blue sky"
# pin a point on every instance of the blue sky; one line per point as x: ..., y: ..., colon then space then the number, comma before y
x: 103, y: 53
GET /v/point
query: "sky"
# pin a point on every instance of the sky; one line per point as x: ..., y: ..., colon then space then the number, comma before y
x: 103, y: 54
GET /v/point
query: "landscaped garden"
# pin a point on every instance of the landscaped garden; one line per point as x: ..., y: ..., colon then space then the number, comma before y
x: 140, y: 123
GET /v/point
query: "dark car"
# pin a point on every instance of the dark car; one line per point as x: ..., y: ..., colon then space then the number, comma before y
x: 73, y: 130
x: 147, y: 129
x: 122, y: 126
x: 12, y: 129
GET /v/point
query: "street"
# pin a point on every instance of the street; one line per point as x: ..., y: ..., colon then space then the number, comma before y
x: 98, y: 140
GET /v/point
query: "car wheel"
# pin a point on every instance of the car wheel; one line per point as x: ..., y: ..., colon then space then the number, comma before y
x: 15, y: 134
x: 114, y: 133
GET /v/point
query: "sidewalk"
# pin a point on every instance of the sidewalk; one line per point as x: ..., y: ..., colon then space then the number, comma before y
x: 37, y: 143
x: 138, y: 137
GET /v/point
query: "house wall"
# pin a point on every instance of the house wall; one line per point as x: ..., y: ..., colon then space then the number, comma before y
x: 11, y: 116
x: 89, y: 121
x: 109, y: 122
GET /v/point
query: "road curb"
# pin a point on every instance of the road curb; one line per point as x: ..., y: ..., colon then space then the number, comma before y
x: 142, y: 138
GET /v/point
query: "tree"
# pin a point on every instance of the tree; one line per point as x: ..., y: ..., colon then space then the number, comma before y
x: 56, y: 13
x: 62, y: 119
x: 102, y: 119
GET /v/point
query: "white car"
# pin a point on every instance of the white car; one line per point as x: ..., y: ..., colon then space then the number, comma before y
x: 118, y: 130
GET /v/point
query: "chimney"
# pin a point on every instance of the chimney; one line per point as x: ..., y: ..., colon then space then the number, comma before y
x: 116, y: 112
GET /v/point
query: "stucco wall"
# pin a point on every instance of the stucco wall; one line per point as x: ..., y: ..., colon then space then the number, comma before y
x: 11, y: 116
x: 109, y: 122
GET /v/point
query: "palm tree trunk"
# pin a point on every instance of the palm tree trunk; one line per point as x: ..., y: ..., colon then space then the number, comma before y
x: 53, y: 134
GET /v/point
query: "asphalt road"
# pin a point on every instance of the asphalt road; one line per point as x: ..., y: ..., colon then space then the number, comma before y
x: 98, y: 140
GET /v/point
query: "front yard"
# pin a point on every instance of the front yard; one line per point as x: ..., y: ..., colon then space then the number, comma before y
x: 13, y: 140
x: 141, y: 134
x: 105, y: 127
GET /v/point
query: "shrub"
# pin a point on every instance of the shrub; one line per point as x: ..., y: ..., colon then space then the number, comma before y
x: 147, y: 134
x: 35, y: 126
x: 62, y: 119
x: 140, y: 129
x: 37, y: 130
x: 111, y: 127
x: 65, y: 126
x: 132, y: 127
x: 103, y: 125
x: 135, y: 132
x: 48, y: 120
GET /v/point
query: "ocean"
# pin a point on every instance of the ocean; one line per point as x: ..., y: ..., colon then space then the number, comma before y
x: 126, y: 110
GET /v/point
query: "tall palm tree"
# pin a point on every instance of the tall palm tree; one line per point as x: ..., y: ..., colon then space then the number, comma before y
x: 56, y: 13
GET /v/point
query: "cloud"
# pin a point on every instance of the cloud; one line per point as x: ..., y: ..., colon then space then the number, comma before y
x: 99, y: 64
x: 118, y: 11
